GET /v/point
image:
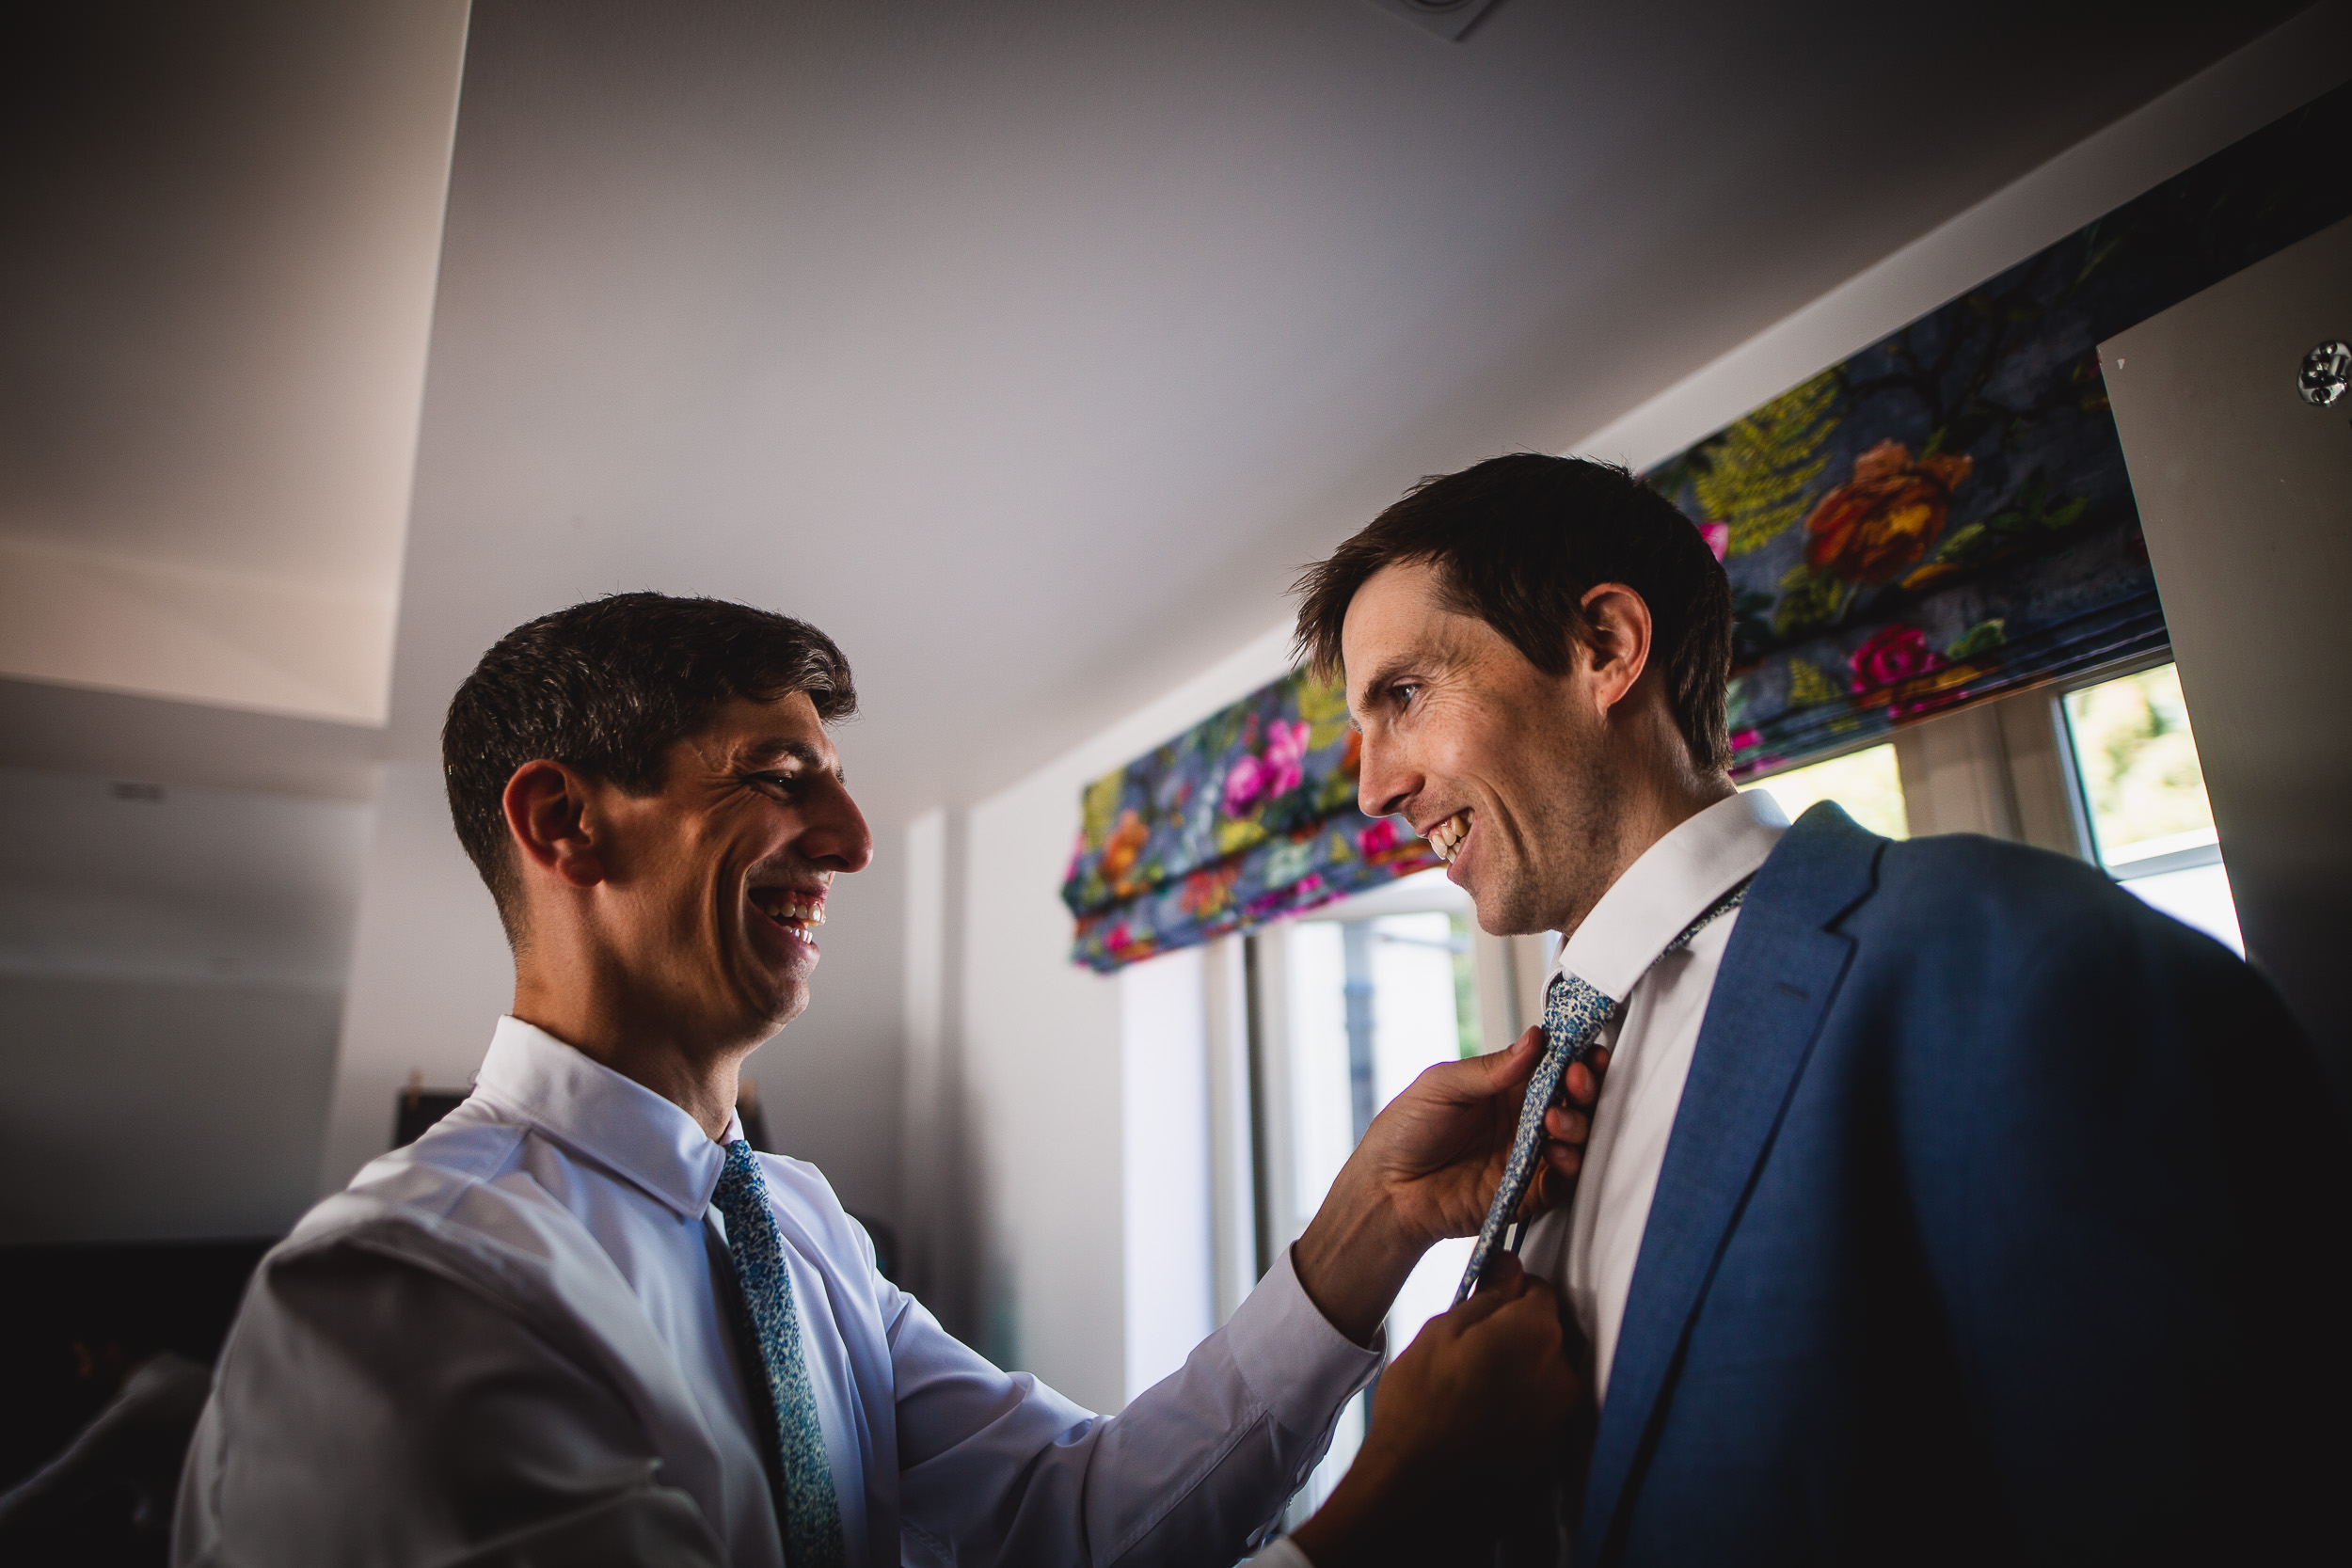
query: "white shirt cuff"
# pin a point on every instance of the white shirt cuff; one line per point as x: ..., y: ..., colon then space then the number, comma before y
x: 1281, y: 1554
x: 1292, y: 1359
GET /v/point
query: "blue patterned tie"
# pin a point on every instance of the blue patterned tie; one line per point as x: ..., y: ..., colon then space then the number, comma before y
x: 1575, y: 1012
x: 812, y: 1517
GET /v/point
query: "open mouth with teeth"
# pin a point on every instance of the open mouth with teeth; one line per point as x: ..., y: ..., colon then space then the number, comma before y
x: 1446, y: 837
x: 798, y: 913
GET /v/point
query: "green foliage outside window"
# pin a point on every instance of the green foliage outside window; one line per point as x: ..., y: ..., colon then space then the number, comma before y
x: 1864, y: 783
x: 2137, y: 759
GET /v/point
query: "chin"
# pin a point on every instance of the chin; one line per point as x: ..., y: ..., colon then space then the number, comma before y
x: 787, y: 1008
x: 1520, y: 927
x: 767, y: 1007
x: 1500, y: 914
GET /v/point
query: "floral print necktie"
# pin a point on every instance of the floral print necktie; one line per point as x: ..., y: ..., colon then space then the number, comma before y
x: 812, y: 1515
x: 1575, y: 1012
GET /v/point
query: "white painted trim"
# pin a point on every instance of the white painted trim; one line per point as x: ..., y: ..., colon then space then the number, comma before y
x: 1264, y: 657
x: 1167, y: 1242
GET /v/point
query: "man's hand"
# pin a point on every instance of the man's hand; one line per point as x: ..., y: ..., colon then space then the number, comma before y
x: 1475, y: 1408
x: 1427, y: 1168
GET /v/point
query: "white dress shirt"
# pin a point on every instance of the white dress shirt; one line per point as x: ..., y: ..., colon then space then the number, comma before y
x: 1589, y: 1250
x: 504, y: 1344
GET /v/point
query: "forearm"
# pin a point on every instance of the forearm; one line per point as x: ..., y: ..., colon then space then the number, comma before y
x: 1355, y: 1257
x: 1004, y: 1470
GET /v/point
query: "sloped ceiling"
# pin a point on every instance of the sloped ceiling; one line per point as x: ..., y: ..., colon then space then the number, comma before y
x: 224, y: 227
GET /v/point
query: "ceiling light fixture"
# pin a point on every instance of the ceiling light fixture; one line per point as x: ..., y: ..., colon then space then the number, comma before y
x: 1448, y: 19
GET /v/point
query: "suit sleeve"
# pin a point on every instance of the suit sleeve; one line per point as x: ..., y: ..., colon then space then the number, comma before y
x: 368, y: 1412
x: 999, y: 1468
x: 2131, y: 1193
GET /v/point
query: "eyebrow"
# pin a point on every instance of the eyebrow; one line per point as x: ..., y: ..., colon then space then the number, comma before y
x: 1385, y: 675
x: 767, y: 753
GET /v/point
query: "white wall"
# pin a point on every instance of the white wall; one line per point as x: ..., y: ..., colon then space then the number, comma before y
x: 144, y: 1109
x: 1163, y: 1163
x: 171, y: 968
x: 1040, y: 1049
x: 832, y: 1083
x: 429, y: 971
x: 941, y: 1202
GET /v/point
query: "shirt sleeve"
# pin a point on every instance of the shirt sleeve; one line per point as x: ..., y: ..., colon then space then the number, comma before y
x: 370, y: 1411
x: 999, y: 1468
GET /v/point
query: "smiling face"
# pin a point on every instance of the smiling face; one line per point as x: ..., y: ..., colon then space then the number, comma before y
x: 715, y: 883
x: 1507, y: 771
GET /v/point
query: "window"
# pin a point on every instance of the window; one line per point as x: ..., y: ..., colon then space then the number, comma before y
x: 1373, y: 1000
x: 2144, y: 798
x: 1866, y: 783
x: 1361, y: 996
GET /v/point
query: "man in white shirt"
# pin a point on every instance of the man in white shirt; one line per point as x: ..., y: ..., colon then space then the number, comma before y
x: 1944, y: 1203
x: 581, y: 1322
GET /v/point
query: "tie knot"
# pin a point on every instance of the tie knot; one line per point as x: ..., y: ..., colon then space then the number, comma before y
x: 740, y: 1181
x: 1574, y: 1008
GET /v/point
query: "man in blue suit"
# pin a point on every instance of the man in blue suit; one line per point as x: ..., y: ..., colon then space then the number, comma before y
x: 1942, y: 1203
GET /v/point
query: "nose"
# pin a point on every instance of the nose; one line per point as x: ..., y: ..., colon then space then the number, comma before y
x: 837, y: 837
x: 1385, y: 778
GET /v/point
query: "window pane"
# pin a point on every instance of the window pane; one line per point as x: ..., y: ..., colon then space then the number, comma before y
x: 1415, y: 1020
x: 2144, y: 795
x: 1466, y: 1041
x: 2138, y: 762
x: 1376, y: 993
x: 1866, y: 783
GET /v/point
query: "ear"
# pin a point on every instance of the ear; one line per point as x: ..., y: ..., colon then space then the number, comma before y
x: 1617, y: 642
x: 546, y: 813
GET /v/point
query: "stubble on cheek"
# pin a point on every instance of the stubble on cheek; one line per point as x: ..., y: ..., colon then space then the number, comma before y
x: 1565, y: 842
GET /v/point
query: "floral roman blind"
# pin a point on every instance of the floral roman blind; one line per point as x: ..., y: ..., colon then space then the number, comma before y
x: 1946, y: 517
x: 1942, y: 517
x: 1244, y: 817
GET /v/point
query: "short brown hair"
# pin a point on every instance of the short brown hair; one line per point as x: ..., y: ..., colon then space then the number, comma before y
x: 607, y: 687
x: 1519, y: 542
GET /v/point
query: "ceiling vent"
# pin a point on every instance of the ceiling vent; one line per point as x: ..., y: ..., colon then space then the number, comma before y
x: 1448, y: 19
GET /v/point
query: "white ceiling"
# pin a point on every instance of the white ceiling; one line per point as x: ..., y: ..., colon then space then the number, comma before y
x: 1029, y: 349
x: 225, y: 228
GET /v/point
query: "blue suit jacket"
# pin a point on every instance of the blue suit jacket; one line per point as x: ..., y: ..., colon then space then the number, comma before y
x: 2003, y: 1219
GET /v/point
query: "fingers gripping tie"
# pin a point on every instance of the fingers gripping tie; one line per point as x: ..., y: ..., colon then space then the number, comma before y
x: 1575, y: 1012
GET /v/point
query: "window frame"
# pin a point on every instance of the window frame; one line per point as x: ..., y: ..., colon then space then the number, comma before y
x: 2146, y: 865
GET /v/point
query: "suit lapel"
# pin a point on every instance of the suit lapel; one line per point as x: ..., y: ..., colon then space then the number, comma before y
x: 1779, y: 974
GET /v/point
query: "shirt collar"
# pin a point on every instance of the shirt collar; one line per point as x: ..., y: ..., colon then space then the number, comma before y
x: 595, y: 1112
x: 1667, y: 888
